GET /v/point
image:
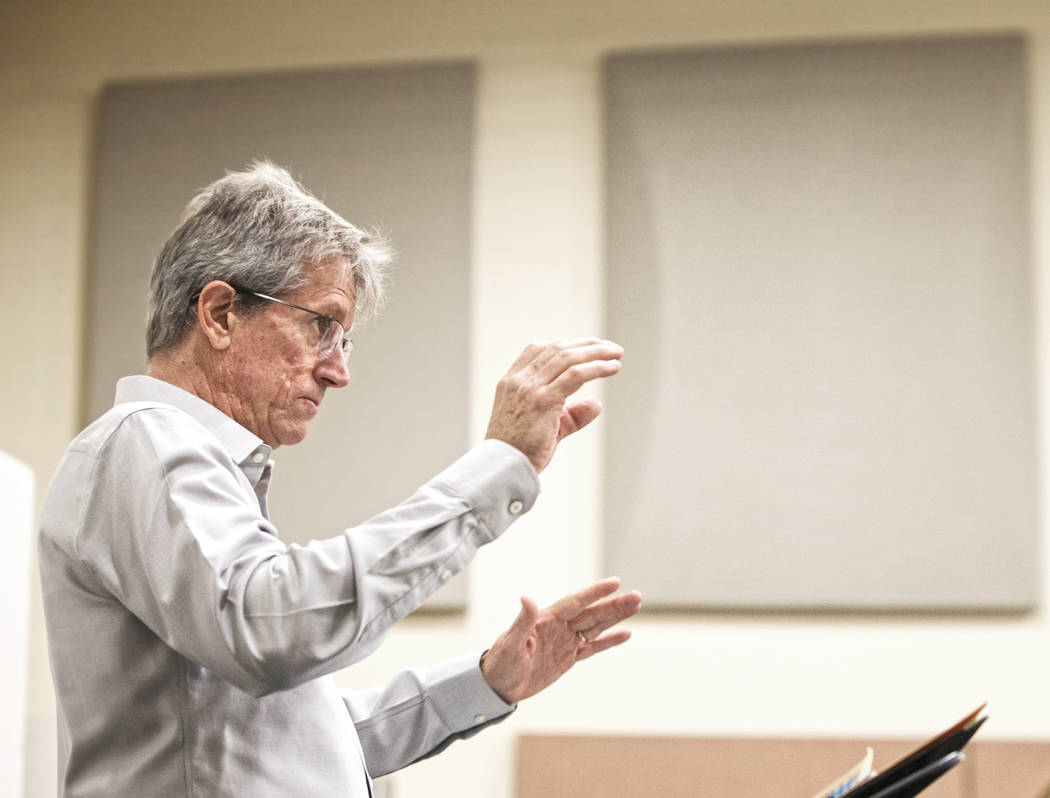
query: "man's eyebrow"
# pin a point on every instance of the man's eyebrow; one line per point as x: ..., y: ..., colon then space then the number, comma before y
x: 334, y: 309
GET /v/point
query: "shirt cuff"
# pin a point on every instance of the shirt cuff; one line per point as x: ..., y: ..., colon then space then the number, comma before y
x: 497, y: 479
x: 461, y: 696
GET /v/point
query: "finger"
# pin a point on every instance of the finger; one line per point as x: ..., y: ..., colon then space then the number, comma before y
x: 578, y: 415
x: 574, y: 355
x: 524, y: 624
x: 575, y: 377
x: 538, y: 354
x: 592, y: 647
x: 601, y: 615
x: 573, y: 604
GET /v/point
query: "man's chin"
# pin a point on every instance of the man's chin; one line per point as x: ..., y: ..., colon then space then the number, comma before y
x: 292, y: 435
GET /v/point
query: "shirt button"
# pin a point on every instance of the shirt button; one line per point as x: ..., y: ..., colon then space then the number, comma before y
x: 515, y: 507
x: 480, y: 718
x: 258, y: 457
x: 444, y: 574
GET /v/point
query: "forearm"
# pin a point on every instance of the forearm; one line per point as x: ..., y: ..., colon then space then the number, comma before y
x: 327, y: 605
x: 421, y: 712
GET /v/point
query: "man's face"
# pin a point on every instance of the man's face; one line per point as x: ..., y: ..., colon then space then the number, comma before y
x: 274, y: 374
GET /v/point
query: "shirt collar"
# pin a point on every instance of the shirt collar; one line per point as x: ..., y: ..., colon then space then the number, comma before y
x: 239, y: 442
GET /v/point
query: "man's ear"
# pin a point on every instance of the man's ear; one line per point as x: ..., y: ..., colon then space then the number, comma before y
x: 215, y: 313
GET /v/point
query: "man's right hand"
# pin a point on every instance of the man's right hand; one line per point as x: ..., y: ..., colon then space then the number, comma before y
x: 532, y: 411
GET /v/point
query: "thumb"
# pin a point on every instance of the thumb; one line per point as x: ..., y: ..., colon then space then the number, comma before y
x: 524, y: 624
x: 578, y: 415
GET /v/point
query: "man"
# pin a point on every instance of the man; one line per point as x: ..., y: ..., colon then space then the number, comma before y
x: 190, y: 648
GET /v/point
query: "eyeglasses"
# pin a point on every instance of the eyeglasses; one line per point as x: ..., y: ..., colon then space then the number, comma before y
x: 331, y: 335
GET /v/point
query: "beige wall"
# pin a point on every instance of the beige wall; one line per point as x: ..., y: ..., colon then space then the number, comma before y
x: 537, y: 168
x: 17, y: 497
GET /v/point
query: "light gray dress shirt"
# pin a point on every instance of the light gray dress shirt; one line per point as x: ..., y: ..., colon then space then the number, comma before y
x: 191, y: 649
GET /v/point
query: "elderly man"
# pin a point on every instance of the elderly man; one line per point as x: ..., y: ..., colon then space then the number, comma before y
x: 191, y: 649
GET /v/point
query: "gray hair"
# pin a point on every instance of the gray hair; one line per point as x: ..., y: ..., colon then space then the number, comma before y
x: 260, y: 230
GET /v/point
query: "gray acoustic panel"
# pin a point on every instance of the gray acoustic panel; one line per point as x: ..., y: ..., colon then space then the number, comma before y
x: 818, y: 262
x: 388, y: 148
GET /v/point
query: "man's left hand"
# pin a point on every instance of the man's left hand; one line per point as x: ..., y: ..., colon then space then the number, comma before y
x: 541, y: 645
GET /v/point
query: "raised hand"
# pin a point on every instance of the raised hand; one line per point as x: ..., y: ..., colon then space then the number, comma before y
x: 541, y: 645
x: 532, y: 410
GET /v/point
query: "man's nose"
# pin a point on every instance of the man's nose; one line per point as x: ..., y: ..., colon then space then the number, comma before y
x: 333, y: 369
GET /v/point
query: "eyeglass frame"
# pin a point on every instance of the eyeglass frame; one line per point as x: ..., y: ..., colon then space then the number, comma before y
x: 341, y: 342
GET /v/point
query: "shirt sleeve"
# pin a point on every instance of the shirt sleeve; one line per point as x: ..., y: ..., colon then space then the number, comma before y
x: 421, y: 712
x: 174, y: 532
